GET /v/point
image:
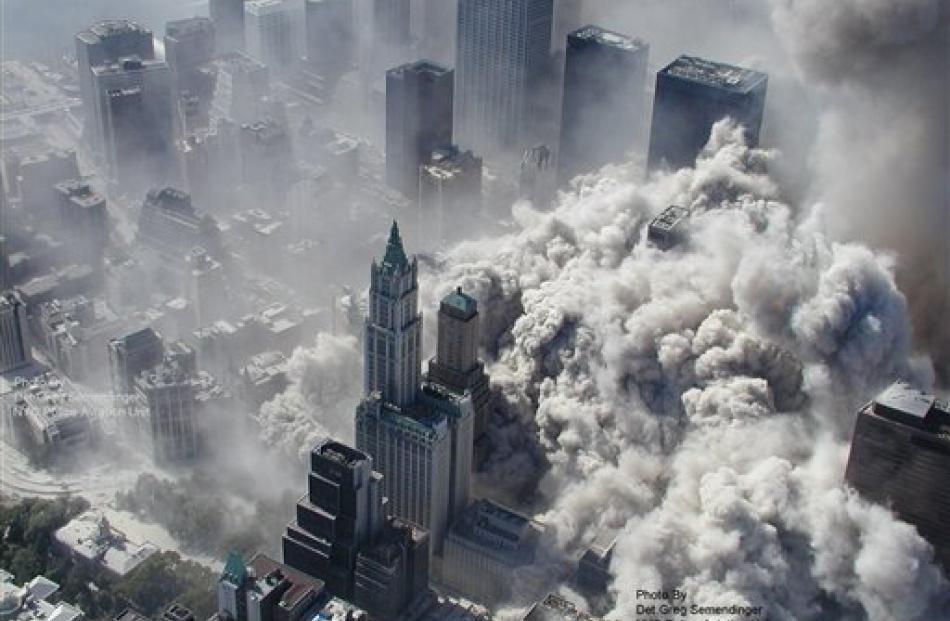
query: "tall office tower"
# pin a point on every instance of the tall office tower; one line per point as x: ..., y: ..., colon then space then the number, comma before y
x: 418, y: 120
x: 502, y: 51
x: 232, y: 589
x: 343, y: 512
x: 104, y: 43
x: 456, y: 365
x: 450, y: 192
x: 170, y: 225
x: 602, y: 108
x: 440, y: 23
x: 82, y: 212
x: 392, y: 342
x: 135, y: 120
x: 207, y: 287
x: 269, y: 33
x: 900, y: 456
x: 267, y: 161
x: 14, y: 333
x: 691, y: 95
x: 169, y: 392
x: 537, y: 182
x: 210, y: 160
x: 189, y: 44
x: 132, y: 354
x: 228, y: 19
x: 330, y: 37
x: 266, y: 590
x: 240, y: 85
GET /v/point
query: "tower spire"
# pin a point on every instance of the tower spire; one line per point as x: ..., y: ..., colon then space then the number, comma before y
x: 395, y: 254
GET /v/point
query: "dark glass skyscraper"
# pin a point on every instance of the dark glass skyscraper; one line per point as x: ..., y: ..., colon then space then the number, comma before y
x: 418, y: 120
x: 602, y: 107
x: 691, y: 95
x: 502, y: 50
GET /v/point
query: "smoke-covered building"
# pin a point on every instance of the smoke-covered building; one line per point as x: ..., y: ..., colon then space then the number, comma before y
x: 14, y: 333
x: 450, y: 189
x: 602, y: 108
x: 104, y: 43
x: 393, y: 573
x: 228, y: 19
x: 169, y: 393
x: 75, y: 333
x: 37, y: 176
x: 132, y: 354
x: 135, y: 121
x: 82, y: 211
x: 489, y: 550
x: 537, y: 177
x: 418, y: 120
x: 267, y: 161
x: 189, y: 44
x: 502, y: 52
x: 900, y: 454
x: 269, y: 33
x: 439, y: 26
x: 669, y: 228
x: 241, y: 82
x: 55, y: 415
x: 555, y: 608
x: 456, y: 365
x: 207, y: 287
x: 329, y: 37
x: 170, y: 225
x: 691, y: 95
x: 210, y: 165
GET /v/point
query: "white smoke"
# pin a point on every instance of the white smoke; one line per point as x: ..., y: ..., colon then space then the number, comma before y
x: 700, y: 400
x: 325, y: 386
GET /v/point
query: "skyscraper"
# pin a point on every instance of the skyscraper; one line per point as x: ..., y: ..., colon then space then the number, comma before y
x: 169, y: 392
x: 241, y: 82
x: 14, y: 333
x: 135, y: 121
x: 502, y: 50
x: 602, y: 106
x: 691, y: 95
x: 900, y: 454
x: 342, y: 512
x: 392, y: 347
x: 228, y: 18
x: 269, y: 33
x: 189, y: 44
x: 103, y: 43
x: 418, y: 120
x: 456, y: 365
x: 132, y: 354
x: 329, y: 36
x: 450, y: 190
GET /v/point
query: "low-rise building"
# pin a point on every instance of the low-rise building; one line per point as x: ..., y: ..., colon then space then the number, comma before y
x: 30, y: 602
x: 90, y: 539
x: 53, y: 413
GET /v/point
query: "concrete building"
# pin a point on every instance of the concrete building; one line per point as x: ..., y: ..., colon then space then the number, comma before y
x: 392, y: 342
x: 241, y: 82
x: 90, y: 539
x: 537, y: 181
x: 169, y: 392
x: 392, y: 574
x: 418, y: 120
x: 15, y: 349
x: 53, y: 414
x: 602, y: 109
x: 189, y: 44
x: 267, y: 161
x: 491, y: 550
x: 132, y: 354
x: 502, y: 50
x: 210, y: 160
x: 263, y: 377
x: 691, y: 95
x: 135, y: 121
x: 669, y: 228
x: 170, y: 225
x: 450, y: 192
x: 456, y: 365
x: 207, y: 287
x: 82, y: 212
x: 228, y: 19
x: 900, y: 453
x: 269, y: 33
x: 75, y: 333
x: 593, y: 568
x: 330, y: 37
x: 34, y: 601
x: 103, y: 43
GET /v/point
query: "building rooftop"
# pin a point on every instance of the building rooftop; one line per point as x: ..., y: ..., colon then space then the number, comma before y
x: 90, y: 536
x: 340, y: 453
x: 189, y: 27
x: 421, y: 66
x: 715, y: 74
x: 497, y: 531
x: 460, y: 303
x: 29, y: 602
x: 608, y: 37
x: 905, y: 404
x: 556, y: 608
x: 264, y: 7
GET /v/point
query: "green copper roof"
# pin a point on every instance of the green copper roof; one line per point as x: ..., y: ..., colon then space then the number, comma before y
x: 461, y: 301
x: 395, y: 255
x: 235, y: 571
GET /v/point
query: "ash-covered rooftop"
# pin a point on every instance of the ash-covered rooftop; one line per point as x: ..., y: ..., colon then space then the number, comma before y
x: 711, y: 73
x: 608, y: 37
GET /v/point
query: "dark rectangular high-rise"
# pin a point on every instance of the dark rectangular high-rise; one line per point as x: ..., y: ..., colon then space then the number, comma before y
x: 329, y: 38
x: 418, y: 120
x: 692, y: 94
x: 103, y: 43
x: 602, y: 106
x: 900, y: 456
x: 228, y: 18
x: 189, y: 44
x: 502, y: 51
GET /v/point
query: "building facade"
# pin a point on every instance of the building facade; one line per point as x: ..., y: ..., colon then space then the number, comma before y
x: 15, y: 349
x: 329, y: 36
x: 691, y: 95
x: 501, y: 52
x: 228, y: 19
x: 169, y: 393
x: 450, y: 192
x: 418, y: 120
x: 602, y: 110
x: 269, y: 33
